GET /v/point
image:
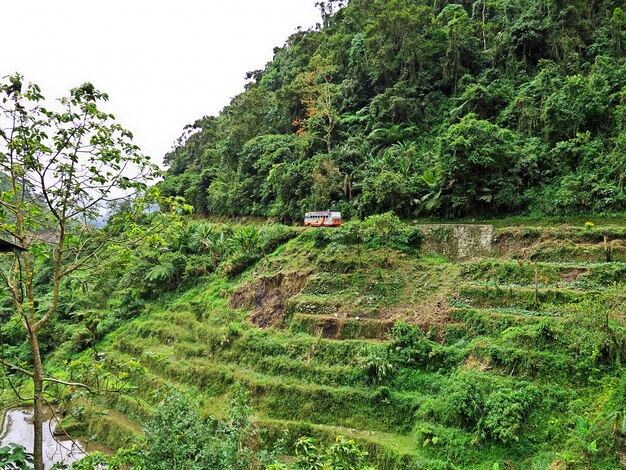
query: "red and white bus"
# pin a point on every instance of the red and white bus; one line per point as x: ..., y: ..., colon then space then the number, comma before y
x: 322, y: 219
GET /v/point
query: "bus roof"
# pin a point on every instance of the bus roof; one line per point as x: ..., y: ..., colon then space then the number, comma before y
x: 317, y: 213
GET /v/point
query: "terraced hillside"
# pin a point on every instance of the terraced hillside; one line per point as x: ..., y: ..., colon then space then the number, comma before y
x: 509, y: 355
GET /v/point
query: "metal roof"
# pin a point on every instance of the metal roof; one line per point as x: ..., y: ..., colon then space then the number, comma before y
x: 6, y: 246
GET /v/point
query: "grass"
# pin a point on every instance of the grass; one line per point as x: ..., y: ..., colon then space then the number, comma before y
x: 542, y: 221
x: 490, y: 328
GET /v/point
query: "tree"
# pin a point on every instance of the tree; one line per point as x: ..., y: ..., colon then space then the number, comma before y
x: 458, y: 29
x: 480, y: 165
x: 58, y: 169
x: 319, y: 94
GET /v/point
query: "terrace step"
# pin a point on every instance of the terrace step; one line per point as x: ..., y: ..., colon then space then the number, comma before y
x: 545, y: 274
x: 333, y: 327
x: 519, y: 297
x: 292, y: 398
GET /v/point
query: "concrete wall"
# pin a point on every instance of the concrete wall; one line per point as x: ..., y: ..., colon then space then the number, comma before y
x: 458, y: 241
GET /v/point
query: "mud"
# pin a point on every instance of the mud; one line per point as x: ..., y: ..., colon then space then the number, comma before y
x: 572, y: 274
x: 269, y: 296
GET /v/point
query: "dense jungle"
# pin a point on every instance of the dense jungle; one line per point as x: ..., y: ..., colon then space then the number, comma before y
x: 424, y: 108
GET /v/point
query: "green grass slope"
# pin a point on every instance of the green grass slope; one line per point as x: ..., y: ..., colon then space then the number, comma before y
x: 513, y: 359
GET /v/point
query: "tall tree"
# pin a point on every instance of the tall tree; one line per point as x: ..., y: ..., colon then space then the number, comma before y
x: 60, y: 167
x: 319, y: 94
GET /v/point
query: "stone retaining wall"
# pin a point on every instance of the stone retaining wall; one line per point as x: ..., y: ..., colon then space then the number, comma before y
x: 458, y: 241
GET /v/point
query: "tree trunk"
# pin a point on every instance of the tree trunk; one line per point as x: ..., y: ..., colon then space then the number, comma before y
x: 484, y: 25
x: 38, y: 399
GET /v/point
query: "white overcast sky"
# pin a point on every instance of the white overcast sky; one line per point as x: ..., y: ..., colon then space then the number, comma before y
x: 163, y: 63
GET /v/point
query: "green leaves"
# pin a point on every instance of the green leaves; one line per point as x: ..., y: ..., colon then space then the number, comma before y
x: 247, y: 237
x: 374, y: 231
x: 177, y: 437
x: 69, y: 160
x: 378, y: 367
x: 585, y: 433
x: 485, y: 94
x: 343, y: 454
x: 15, y: 457
x: 479, y: 162
x: 409, y: 346
x: 59, y: 167
x: 496, y: 410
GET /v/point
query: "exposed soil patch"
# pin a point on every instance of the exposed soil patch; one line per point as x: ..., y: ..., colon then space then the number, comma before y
x: 426, y: 315
x: 268, y: 295
x: 475, y: 363
x: 329, y: 328
x: 572, y: 274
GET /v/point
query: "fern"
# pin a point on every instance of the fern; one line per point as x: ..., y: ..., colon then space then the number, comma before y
x: 161, y: 273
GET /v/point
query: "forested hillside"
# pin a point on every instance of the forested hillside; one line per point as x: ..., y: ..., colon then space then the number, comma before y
x: 423, y: 107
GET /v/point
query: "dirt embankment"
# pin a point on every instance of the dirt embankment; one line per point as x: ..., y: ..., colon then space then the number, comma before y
x: 269, y: 295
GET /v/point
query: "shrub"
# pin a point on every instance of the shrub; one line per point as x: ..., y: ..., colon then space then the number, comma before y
x: 505, y: 412
x: 343, y: 454
x: 376, y: 231
x: 409, y: 346
x: 387, y: 230
x: 378, y: 366
x: 178, y: 438
x: 496, y: 410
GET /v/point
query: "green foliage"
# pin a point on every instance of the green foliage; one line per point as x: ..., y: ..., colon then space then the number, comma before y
x: 502, y: 381
x: 496, y: 411
x: 15, y: 457
x: 186, y: 250
x: 60, y: 164
x: 343, y: 454
x: 378, y: 367
x: 395, y: 108
x: 122, y: 459
x: 480, y: 163
x: 409, y: 346
x: 584, y: 433
x: 469, y: 108
x: 177, y: 437
x: 375, y: 231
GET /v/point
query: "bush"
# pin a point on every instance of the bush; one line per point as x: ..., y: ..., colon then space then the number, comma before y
x: 378, y: 366
x: 343, y: 454
x: 496, y: 410
x: 387, y: 230
x: 177, y: 437
x: 409, y: 346
x: 506, y: 411
x: 376, y: 231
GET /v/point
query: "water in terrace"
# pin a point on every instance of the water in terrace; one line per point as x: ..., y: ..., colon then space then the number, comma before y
x: 18, y: 429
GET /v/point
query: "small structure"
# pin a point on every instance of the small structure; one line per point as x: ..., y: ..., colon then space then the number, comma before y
x: 322, y: 219
x: 458, y: 241
x: 8, y: 247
